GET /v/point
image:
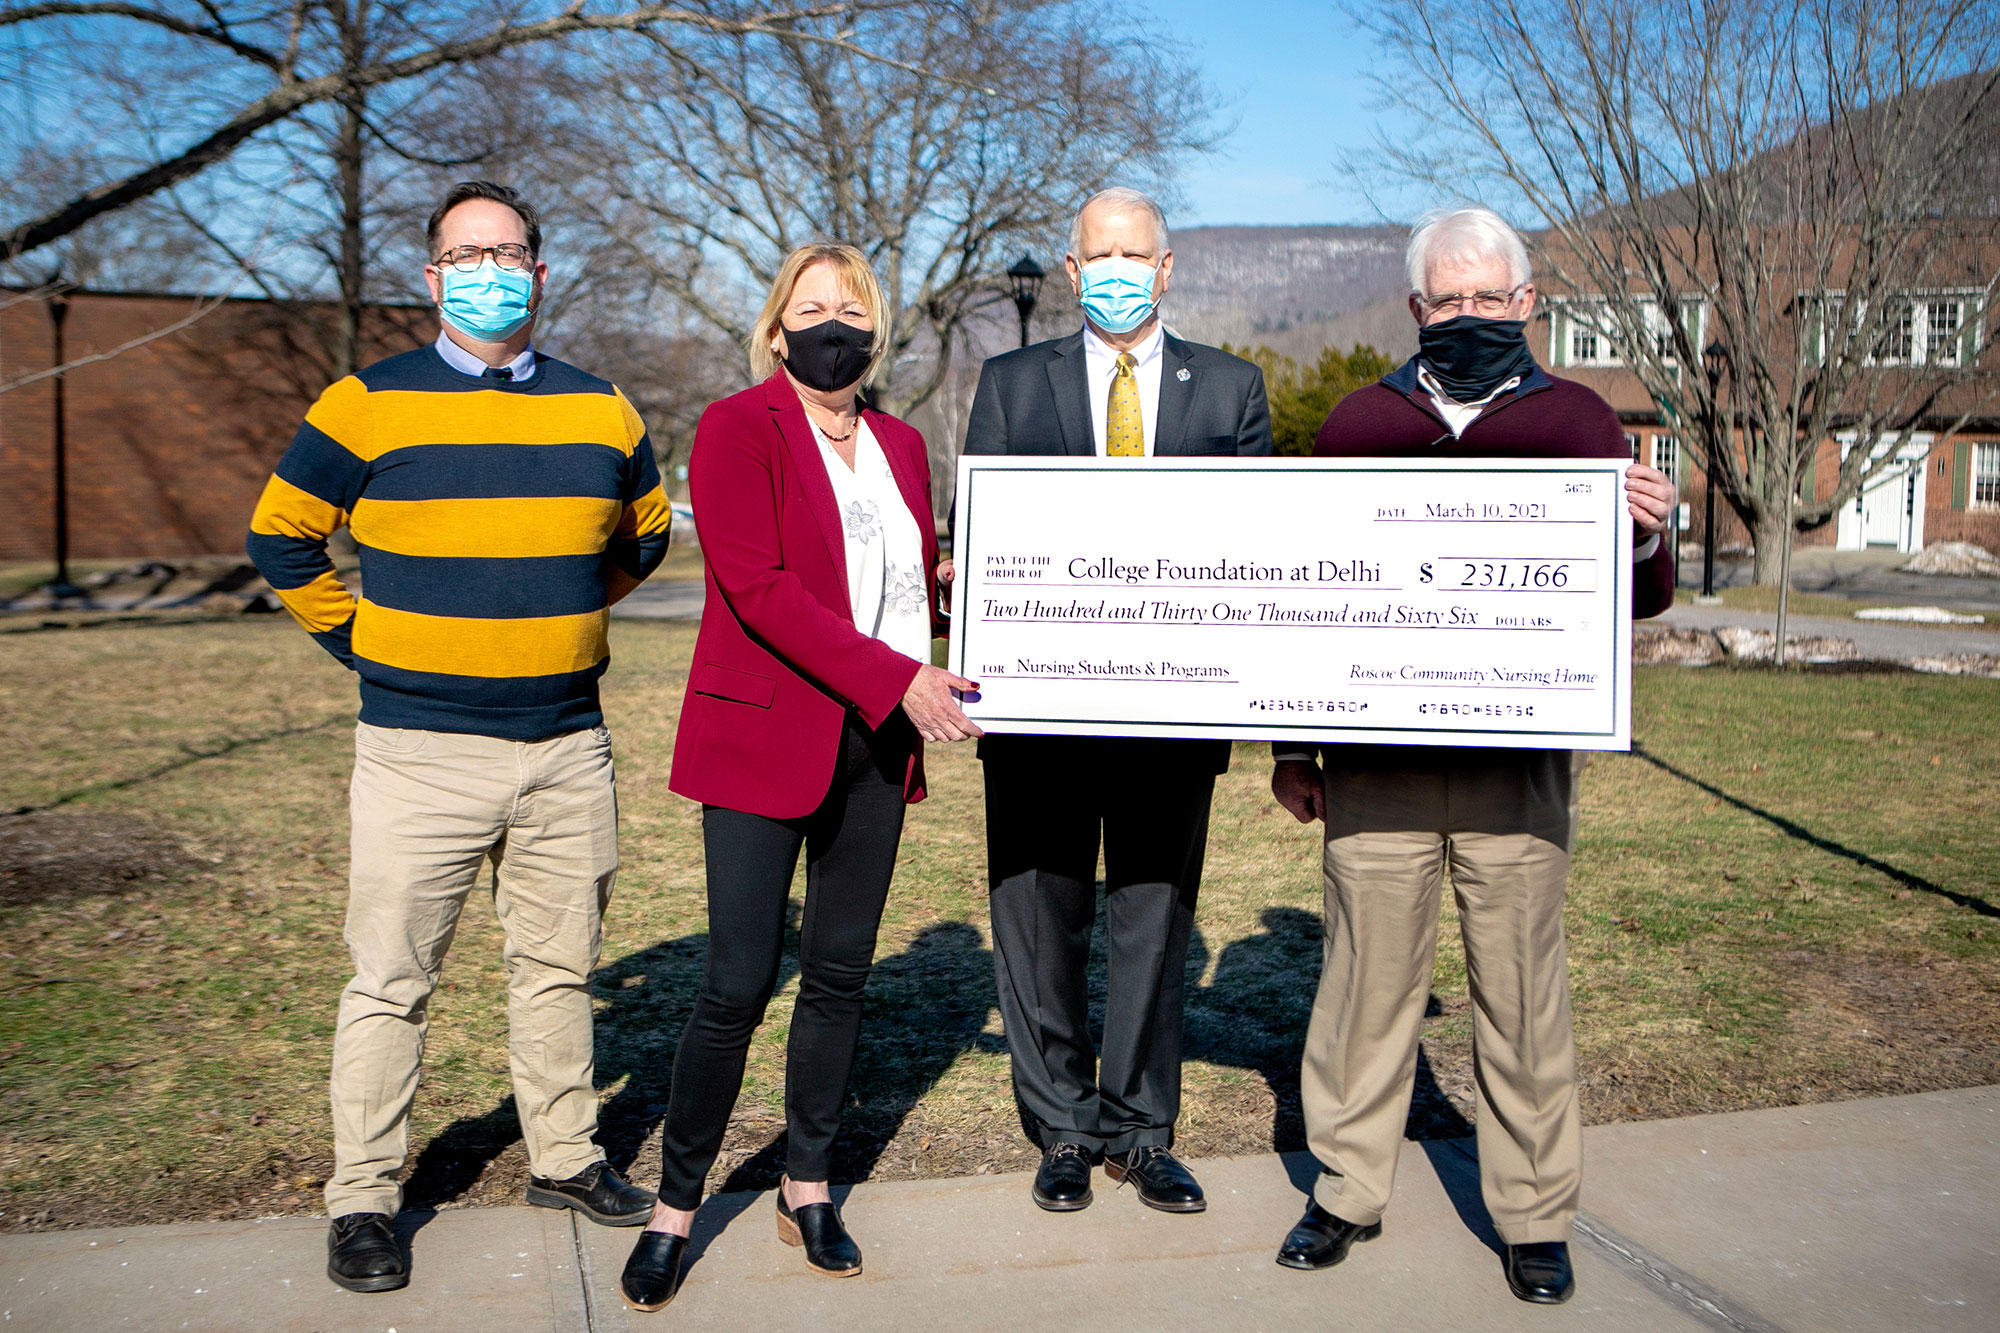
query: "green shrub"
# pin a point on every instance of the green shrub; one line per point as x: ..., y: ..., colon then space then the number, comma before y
x: 1301, y: 396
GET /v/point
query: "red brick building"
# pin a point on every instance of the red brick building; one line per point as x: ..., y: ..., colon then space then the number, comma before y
x: 168, y: 444
x: 1933, y: 492
x: 1787, y: 233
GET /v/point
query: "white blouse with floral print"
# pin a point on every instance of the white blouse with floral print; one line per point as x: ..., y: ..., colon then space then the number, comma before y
x: 885, y: 549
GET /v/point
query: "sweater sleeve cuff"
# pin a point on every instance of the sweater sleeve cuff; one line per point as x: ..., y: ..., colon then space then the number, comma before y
x: 1644, y: 550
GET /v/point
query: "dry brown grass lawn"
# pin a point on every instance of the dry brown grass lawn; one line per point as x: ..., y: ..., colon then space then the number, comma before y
x: 1788, y: 895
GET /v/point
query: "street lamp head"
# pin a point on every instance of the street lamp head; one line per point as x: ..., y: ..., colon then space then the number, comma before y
x: 1714, y: 358
x: 1026, y: 277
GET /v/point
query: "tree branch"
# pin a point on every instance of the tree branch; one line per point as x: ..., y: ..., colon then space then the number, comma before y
x: 215, y: 33
x: 292, y: 95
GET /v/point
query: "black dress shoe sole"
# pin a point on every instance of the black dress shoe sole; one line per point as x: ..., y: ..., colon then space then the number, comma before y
x: 788, y: 1232
x: 1293, y: 1261
x: 1120, y: 1174
x: 1048, y: 1205
x: 542, y: 1198
x: 380, y: 1282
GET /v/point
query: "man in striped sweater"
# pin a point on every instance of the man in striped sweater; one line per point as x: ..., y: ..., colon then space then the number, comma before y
x: 501, y: 500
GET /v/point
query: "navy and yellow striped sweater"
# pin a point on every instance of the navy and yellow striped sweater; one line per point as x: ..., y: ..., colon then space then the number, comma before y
x: 497, y: 523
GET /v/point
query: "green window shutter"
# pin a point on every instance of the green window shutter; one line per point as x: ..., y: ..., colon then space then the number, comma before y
x: 1809, y: 477
x: 1816, y: 334
x: 1961, y: 474
x: 1558, y: 336
x: 1970, y: 318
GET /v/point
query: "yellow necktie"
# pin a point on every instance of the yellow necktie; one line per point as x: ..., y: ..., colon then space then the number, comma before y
x: 1124, y: 429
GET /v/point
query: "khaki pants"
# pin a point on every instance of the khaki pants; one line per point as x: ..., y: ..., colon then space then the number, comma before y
x: 1503, y: 827
x: 428, y: 809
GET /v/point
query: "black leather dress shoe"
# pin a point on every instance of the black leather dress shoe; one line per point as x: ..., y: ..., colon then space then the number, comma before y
x: 1540, y: 1272
x: 599, y: 1193
x: 1062, y: 1182
x: 362, y: 1254
x: 1321, y: 1240
x: 1163, y: 1182
x: 653, y: 1274
x: 817, y: 1229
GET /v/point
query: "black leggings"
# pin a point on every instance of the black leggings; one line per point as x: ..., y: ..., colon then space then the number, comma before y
x: 850, y: 843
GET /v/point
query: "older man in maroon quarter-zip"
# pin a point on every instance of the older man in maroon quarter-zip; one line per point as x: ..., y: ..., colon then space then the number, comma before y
x: 1397, y: 816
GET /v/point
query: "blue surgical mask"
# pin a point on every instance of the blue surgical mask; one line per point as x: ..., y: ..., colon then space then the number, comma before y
x: 490, y: 303
x: 1118, y: 293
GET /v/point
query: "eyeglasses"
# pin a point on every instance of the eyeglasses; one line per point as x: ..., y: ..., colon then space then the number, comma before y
x: 1488, y: 303
x: 466, y: 258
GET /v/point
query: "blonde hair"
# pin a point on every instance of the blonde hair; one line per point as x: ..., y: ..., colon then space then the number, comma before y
x: 851, y: 267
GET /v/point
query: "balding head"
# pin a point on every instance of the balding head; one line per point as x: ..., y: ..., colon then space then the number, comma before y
x: 1119, y: 199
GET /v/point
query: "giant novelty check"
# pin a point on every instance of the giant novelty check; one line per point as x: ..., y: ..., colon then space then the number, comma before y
x: 1425, y: 601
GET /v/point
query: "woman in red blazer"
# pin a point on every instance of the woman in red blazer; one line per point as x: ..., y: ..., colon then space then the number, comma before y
x: 808, y: 703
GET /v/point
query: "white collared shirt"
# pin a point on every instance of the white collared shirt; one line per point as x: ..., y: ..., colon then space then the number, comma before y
x: 465, y: 363
x: 1458, y: 415
x: 1100, y: 360
x: 886, y: 588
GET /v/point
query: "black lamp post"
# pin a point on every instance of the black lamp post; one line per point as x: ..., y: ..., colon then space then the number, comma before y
x: 1714, y: 360
x: 1026, y: 275
x: 58, y: 312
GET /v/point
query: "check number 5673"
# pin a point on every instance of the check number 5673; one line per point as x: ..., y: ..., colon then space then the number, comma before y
x: 1479, y: 574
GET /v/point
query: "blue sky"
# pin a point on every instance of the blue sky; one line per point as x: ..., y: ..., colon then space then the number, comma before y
x: 1297, y: 86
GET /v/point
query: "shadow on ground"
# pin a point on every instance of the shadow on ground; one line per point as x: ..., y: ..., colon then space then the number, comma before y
x: 927, y: 1006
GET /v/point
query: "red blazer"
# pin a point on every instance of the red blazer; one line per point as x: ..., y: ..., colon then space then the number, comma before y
x: 778, y: 661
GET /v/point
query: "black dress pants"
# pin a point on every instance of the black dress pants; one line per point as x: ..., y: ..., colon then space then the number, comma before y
x: 1048, y: 801
x: 850, y: 844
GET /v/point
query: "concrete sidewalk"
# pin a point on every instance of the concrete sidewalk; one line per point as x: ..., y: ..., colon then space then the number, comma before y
x: 1859, y: 1215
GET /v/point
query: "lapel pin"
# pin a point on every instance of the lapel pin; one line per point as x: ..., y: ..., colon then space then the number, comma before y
x: 1182, y: 375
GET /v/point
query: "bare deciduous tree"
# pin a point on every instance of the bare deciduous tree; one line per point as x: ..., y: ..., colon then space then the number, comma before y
x: 1786, y: 179
x: 968, y: 133
x: 264, y: 64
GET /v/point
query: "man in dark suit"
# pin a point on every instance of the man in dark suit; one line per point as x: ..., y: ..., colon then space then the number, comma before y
x: 1119, y: 387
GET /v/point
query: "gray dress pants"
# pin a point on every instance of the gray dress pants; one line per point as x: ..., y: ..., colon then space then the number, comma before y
x: 1050, y: 800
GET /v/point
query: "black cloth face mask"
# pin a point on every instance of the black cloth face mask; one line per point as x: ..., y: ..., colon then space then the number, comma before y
x: 828, y: 356
x: 1470, y: 357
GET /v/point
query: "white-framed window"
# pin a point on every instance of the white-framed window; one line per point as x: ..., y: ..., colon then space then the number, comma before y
x: 1985, y: 476
x: 1943, y: 331
x: 1583, y: 346
x: 1585, y: 334
x: 1936, y: 328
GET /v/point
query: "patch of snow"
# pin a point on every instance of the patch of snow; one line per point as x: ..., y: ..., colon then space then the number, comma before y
x: 1924, y: 615
x: 1957, y: 559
